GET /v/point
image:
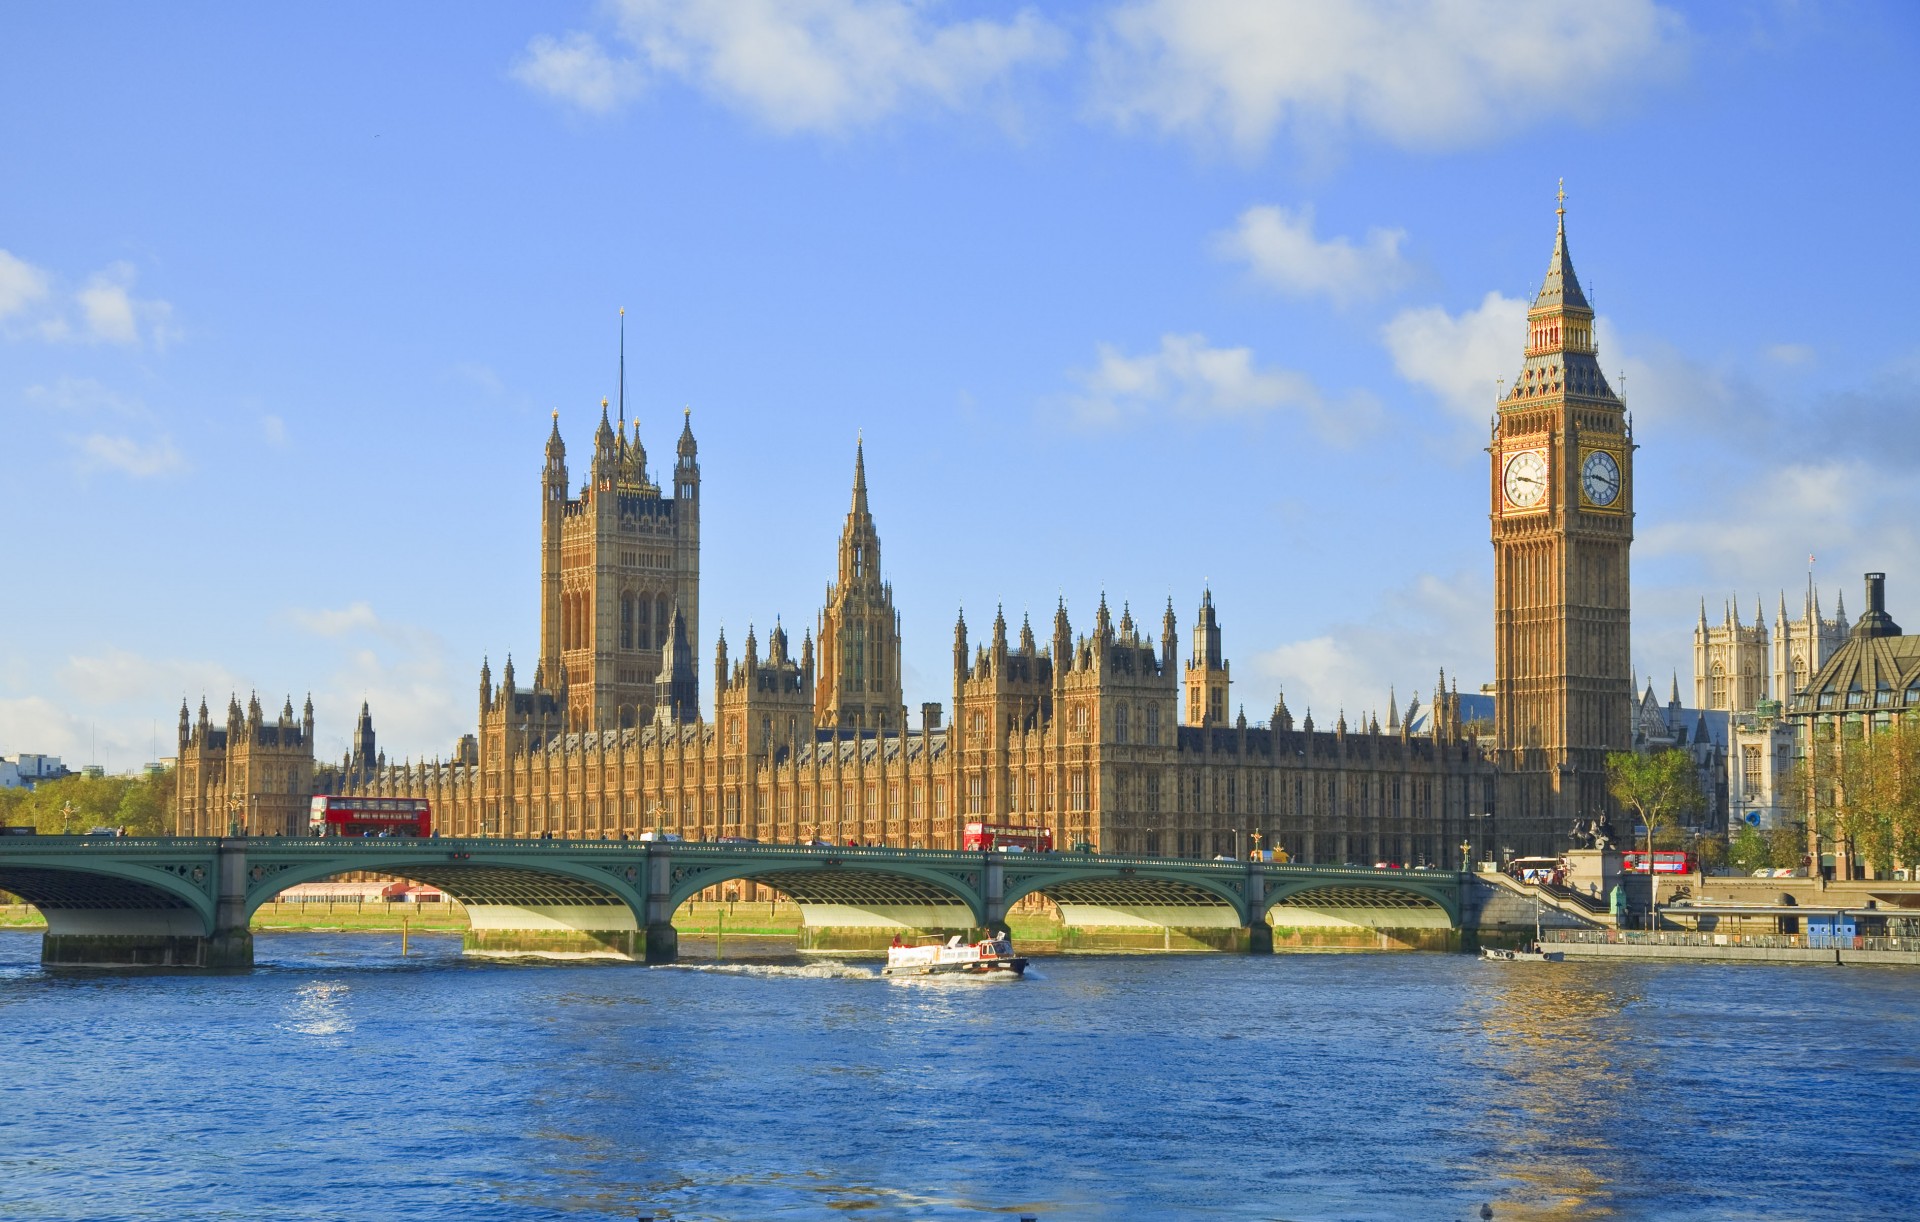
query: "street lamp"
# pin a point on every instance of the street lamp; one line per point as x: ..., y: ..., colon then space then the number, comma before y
x: 1485, y: 830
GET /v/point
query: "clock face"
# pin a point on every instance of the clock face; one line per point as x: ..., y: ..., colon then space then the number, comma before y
x: 1600, y: 478
x: 1525, y: 480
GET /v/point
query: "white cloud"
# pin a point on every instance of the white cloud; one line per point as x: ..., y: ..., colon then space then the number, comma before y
x: 119, y: 452
x: 119, y: 676
x: 1279, y: 248
x: 1191, y: 378
x: 1790, y: 354
x: 1398, y: 650
x: 21, y: 284
x: 86, y: 397
x: 1460, y: 357
x: 113, y: 315
x: 1424, y: 76
x: 795, y: 65
x: 274, y: 429
x: 107, y: 310
x: 577, y: 70
x: 355, y: 617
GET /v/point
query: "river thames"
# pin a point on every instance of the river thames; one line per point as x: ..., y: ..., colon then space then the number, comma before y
x: 339, y: 1080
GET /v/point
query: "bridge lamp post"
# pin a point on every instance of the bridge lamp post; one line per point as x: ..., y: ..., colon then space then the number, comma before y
x: 1485, y: 830
x: 66, y: 818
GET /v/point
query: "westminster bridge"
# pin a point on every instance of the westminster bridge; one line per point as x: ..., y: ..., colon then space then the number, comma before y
x: 188, y: 901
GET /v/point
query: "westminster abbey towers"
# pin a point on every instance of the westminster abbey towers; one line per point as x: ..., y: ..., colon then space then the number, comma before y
x: 1562, y: 515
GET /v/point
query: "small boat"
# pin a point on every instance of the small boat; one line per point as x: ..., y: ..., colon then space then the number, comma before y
x: 1530, y: 953
x: 1533, y: 952
x: 992, y: 955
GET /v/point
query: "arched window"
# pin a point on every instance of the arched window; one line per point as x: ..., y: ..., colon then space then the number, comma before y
x: 1717, y: 687
x: 626, y: 621
x: 643, y: 630
x: 661, y: 618
x: 1153, y: 725
x: 1120, y: 727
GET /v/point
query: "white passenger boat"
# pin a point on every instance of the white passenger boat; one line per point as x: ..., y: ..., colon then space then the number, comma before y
x: 1525, y: 954
x: 992, y: 955
x: 1533, y: 952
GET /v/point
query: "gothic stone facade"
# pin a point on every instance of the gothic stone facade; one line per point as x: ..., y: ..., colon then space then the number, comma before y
x: 250, y: 774
x: 1084, y: 735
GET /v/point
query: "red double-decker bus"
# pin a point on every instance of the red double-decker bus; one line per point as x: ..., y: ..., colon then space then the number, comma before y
x: 1006, y: 838
x: 1665, y: 861
x: 337, y: 816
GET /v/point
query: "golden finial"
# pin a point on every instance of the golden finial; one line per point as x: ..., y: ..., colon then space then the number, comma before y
x: 603, y: 402
x: 687, y: 412
x: 556, y: 414
x: 1562, y: 209
x: 623, y: 311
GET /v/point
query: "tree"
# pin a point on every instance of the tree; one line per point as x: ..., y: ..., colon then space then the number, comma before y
x: 1748, y: 850
x: 1661, y: 787
x: 76, y: 804
x: 1859, y: 788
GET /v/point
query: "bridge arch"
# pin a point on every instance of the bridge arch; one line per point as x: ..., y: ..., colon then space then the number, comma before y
x: 512, y: 881
x: 94, y: 897
x: 1128, y: 885
x: 846, y: 890
x: 540, y: 901
x: 1364, y: 899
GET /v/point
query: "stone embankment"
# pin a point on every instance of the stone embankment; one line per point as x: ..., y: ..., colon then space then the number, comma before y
x: 1735, y: 948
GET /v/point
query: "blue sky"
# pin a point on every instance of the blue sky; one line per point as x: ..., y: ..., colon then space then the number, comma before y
x: 1127, y: 297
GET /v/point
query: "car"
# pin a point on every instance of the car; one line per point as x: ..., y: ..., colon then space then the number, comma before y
x: 736, y: 840
x: 663, y: 837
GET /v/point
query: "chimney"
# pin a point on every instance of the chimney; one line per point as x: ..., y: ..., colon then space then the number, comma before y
x: 1875, y: 621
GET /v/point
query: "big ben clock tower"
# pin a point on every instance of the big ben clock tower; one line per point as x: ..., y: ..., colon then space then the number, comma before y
x: 1562, y: 501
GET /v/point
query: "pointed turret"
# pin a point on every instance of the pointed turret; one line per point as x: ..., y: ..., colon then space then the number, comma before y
x: 1561, y: 357
x: 999, y: 633
x: 959, y: 654
x: 1169, y: 639
x: 676, y: 688
x: 1393, y: 709
x: 1026, y: 634
x: 1103, y: 620
x: 1208, y: 679
x: 186, y: 726
x: 1561, y: 288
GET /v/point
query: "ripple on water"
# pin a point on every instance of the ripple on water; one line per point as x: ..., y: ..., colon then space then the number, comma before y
x: 342, y: 1080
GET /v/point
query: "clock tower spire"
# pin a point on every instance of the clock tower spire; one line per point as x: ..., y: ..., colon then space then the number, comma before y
x: 1562, y: 524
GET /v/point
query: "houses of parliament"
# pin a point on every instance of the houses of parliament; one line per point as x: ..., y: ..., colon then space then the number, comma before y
x: 1109, y: 736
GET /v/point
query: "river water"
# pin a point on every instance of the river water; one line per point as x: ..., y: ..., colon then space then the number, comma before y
x: 339, y: 1080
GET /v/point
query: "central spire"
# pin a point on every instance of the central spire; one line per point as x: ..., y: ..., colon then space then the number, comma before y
x: 860, y: 475
x: 1561, y: 287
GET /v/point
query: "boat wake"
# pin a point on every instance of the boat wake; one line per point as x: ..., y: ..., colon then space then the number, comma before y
x: 788, y: 971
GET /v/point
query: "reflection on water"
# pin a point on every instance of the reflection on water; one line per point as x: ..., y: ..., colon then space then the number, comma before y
x: 342, y: 1080
x: 319, y: 1009
x: 1552, y: 1035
